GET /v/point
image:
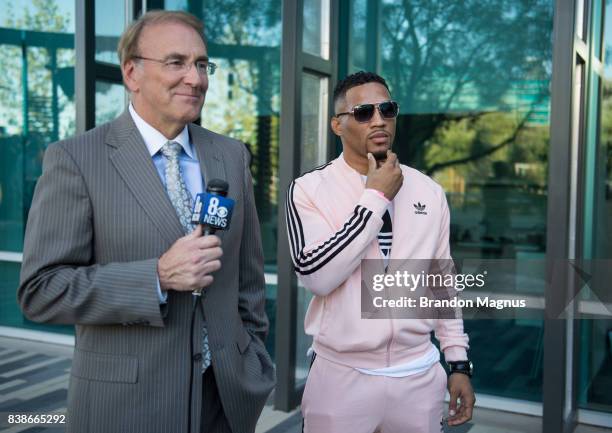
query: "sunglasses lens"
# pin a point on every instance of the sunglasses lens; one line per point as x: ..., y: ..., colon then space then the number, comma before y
x: 389, y: 109
x: 363, y: 113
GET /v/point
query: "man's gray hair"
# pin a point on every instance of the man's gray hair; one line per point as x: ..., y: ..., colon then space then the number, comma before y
x: 128, y: 44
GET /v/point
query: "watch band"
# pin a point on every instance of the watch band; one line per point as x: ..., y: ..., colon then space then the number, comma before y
x: 464, y: 367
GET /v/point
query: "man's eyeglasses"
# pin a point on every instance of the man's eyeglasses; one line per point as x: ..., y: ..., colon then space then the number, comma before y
x: 178, y: 66
x: 363, y: 113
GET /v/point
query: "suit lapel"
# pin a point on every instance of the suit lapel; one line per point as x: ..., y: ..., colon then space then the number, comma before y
x: 135, y: 166
x: 209, y: 154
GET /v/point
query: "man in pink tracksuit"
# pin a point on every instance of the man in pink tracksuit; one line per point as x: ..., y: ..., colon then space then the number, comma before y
x: 372, y: 375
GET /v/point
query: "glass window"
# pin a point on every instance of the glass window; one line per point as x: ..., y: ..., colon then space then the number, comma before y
x: 358, y: 45
x: 36, y: 109
x: 110, y: 22
x: 36, y: 102
x: 472, y: 81
x: 597, y: 28
x: 596, y: 334
x: 600, y: 245
x: 10, y: 315
x: 110, y: 101
x: 315, y: 36
x: 47, y: 16
x: 314, y: 122
x: 303, y: 341
x: 580, y: 24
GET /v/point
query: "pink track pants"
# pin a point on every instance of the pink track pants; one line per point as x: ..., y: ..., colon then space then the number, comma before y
x: 339, y: 399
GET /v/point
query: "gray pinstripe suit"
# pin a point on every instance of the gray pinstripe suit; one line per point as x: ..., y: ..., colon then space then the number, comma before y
x: 99, y: 220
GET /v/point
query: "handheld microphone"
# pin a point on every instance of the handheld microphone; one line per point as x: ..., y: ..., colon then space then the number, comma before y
x: 213, y: 210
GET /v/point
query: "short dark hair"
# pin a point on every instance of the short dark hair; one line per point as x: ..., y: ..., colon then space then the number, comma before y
x: 354, y: 80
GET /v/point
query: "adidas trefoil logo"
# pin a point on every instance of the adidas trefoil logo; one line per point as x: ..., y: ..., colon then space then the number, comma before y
x: 420, y: 208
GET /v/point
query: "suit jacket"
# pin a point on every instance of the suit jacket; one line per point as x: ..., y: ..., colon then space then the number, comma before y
x: 99, y: 221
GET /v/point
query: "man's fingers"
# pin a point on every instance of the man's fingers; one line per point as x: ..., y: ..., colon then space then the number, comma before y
x: 458, y: 419
x: 197, y: 232
x: 455, y: 416
x: 210, y: 267
x: 371, y: 163
x: 463, y: 413
x: 207, y: 280
x: 206, y: 255
x: 209, y: 241
x: 462, y: 416
x: 452, y: 405
x: 467, y: 404
x: 391, y: 159
x: 211, y: 254
x: 468, y: 412
x: 468, y: 399
x: 454, y: 395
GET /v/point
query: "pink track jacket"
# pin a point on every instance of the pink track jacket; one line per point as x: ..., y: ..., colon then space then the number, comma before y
x: 333, y: 223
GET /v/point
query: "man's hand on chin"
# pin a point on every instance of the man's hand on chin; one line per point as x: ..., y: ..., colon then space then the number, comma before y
x: 460, y: 387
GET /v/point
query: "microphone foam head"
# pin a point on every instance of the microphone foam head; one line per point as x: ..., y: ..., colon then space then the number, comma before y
x: 217, y: 186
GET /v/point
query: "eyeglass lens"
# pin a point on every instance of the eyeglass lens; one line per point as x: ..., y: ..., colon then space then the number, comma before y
x: 364, y: 112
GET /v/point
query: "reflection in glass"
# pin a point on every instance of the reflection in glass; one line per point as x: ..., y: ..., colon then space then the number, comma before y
x: 358, y: 46
x: 472, y: 80
x: 580, y: 5
x: 36, y: 109
x: 315, y: 36
x: 314, y: 122
x: 596, y: 335
x: 10, y: 314
x: 597, y: 28
x: 602, y: 216
x: 303, y: 341
x: 110, y: 101
x: 110, y: 21
x: 36, y: 103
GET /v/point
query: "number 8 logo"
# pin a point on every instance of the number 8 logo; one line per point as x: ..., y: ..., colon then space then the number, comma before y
x: 212, y: 206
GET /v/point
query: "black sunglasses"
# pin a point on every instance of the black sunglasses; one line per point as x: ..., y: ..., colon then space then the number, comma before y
x: 364, y: 112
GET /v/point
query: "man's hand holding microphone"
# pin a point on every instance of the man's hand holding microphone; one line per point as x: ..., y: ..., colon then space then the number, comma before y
x: 190, y: 261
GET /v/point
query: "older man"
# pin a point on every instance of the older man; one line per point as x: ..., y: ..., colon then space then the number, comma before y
x: 110, y: 248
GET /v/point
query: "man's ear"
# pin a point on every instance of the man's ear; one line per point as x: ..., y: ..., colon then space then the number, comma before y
x: 336, y: 126
x: 130, y: 72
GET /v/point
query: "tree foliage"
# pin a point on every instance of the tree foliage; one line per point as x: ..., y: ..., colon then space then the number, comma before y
x: 470, y: 76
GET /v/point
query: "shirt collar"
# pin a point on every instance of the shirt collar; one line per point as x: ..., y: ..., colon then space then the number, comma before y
x: 154, y: 140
